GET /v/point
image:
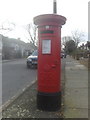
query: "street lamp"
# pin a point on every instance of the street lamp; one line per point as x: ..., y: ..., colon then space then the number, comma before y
x: 54, y: 6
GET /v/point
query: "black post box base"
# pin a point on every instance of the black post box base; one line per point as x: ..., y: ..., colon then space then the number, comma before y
x: 49, y: 101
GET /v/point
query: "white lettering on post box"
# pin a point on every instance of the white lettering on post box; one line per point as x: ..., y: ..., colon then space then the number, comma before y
x: 46, y: 46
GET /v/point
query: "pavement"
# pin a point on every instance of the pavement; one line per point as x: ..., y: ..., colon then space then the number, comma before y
x: 76, y: 90
x: 75, y: 97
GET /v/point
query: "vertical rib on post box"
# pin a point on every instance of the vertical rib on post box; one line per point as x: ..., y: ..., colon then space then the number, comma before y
x: 49, y: 61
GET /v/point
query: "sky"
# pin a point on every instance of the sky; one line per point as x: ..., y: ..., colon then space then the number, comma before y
x: 22, y: 12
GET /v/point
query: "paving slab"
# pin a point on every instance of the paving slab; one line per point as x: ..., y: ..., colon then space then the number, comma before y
x: 76, y: 113
x: 76, y: 98
x: 76, y: 90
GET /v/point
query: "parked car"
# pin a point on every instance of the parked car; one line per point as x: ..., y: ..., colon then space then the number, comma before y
x: 63, y: 55
x: 32, y: 60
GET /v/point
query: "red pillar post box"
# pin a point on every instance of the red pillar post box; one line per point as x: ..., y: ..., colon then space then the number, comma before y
x: 49, y: 61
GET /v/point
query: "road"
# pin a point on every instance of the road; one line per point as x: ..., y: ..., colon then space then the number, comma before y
x: 15, y: 77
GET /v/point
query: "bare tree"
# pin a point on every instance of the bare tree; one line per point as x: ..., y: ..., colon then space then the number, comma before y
x: 32, y: 33
x: 7, y: 26
x: 77, y: 36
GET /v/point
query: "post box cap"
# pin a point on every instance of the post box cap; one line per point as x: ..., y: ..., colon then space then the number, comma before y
x: 47, y: 18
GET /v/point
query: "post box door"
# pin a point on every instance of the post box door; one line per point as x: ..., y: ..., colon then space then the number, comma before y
x: 49, y: 64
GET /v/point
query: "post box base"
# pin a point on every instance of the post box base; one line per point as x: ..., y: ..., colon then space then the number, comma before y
x: 49, y: 101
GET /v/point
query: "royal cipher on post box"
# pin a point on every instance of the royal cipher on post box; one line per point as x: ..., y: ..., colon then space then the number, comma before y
x: 49, y: 61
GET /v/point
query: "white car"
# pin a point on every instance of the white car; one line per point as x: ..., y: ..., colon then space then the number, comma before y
x: 32, y: 60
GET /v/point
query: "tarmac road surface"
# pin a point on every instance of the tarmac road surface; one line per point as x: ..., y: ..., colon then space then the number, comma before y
x: 15, y: 77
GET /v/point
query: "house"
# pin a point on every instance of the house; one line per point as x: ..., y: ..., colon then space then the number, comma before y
x: 15, y: 48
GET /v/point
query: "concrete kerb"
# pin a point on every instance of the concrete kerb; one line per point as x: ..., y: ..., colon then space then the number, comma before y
x: 9, y: 102
x: 4, y: 61
x: 63, y: 90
